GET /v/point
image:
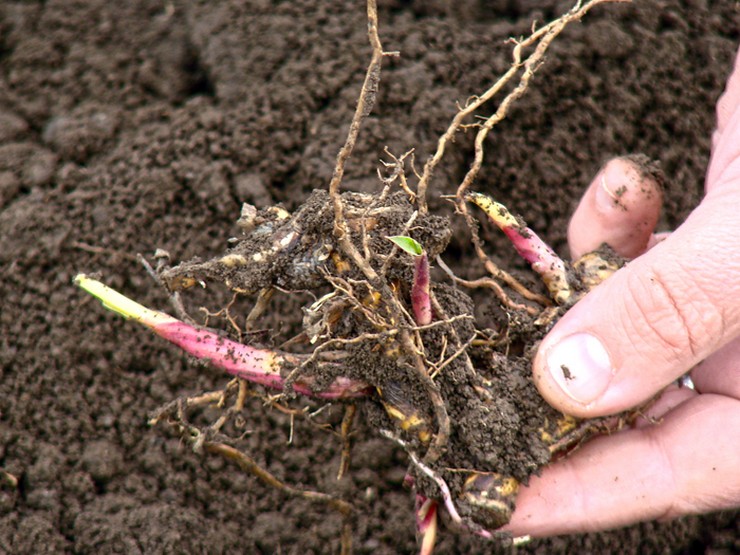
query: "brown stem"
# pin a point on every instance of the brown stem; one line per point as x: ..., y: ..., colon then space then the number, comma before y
x: 247, y: 464
x: 494, y: 286
x: 364, y: 106
x: 544, y: 36
x: 347, y: 420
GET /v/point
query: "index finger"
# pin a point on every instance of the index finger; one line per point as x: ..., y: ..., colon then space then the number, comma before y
x: 676, y: 467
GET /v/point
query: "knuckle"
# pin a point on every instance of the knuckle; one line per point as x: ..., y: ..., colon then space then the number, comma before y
x: 669, y: 306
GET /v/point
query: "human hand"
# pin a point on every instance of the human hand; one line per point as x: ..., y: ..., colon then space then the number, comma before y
x: 675, y: 308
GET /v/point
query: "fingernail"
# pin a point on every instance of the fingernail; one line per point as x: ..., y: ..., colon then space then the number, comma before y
x: 580, y: 365
x: 611, y: 187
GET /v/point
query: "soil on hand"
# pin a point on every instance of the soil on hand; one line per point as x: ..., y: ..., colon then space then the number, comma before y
x: 127, y: 128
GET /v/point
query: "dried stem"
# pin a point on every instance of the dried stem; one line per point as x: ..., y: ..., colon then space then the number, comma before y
x: 451, y: 358
x: 497, y: 272
x: 347, y: 420
x: 92, y: 249
x: 346, y: 539
x: 444, y: 489
x: 263, y: 300
x: 163, y: 259
x: 364, y: 106
x: 456, y: 342
x: 225, y: 312
x: 395, y: 248
x: 10, y: 480
x: 341, y: 233
x: 203, y: 440
x: 247, y: 464
x: 544, y: 36
x: 494, y: 286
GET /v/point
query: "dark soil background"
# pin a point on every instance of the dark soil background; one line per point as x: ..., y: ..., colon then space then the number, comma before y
x: 131, y: 126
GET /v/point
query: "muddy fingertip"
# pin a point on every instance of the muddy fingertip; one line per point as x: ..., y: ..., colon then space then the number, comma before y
x: 642, y: 185
x: 621, y: 208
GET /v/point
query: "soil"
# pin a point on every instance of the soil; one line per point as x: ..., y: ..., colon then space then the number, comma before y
x: 127, y: 128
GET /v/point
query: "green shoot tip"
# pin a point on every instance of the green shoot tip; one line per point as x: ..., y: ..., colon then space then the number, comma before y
x: 407, y: 244
x: 120, y: 304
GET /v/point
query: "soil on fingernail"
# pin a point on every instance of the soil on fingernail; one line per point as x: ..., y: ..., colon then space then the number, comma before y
x: 650, y: 172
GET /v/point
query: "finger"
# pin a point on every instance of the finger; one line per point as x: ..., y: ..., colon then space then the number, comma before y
x: 650, y: 322
x: 720, y: 371
x: 674, y: 468
x: 656, y: 238
x: 728, y: 103
x: 724, y: 147
x: 621, y: 208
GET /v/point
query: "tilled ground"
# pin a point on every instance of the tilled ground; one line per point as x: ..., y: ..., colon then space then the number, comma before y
x: 126, y: 128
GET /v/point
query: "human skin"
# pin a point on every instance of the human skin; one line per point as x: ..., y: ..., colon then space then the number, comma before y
x: 675, y: 308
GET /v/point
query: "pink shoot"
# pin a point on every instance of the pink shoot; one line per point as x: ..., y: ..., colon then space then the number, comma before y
x: 258, y: 366
x: 534, y: 250
x: 426, y: 523
x: 421, y: 302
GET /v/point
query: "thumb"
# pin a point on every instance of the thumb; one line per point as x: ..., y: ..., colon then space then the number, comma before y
x: 651, y: 321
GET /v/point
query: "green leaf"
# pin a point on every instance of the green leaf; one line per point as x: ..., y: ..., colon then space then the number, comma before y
x: 408, y: 244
